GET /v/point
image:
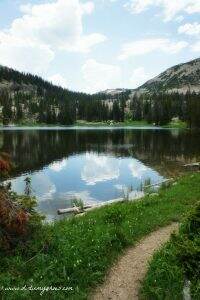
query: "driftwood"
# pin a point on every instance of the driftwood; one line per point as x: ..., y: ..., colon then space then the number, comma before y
x: 75, y: 210
x: 196, y: 164
x: 78, y: 210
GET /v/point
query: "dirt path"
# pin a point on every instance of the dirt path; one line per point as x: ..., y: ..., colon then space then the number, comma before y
x: 123, y: 280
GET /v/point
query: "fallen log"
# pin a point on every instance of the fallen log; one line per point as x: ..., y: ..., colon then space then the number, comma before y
x: 78, y: 210
x: 196, y: 164
x: 75, y: 210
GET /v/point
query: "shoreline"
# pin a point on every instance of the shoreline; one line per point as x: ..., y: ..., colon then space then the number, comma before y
x: 99, y: 125
x: 89, y: 127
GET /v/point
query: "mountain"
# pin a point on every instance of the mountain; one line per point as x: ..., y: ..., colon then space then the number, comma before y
x: 180, y: 78
x: 172, y: 95
x: 26, y: 97
x: 115, y: 92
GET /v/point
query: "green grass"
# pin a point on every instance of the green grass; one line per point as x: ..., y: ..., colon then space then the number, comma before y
x: 178, y: 124
x: 83, y: 123
x: 78, y: 252
x: 112, y: 123
x: 176, y: 262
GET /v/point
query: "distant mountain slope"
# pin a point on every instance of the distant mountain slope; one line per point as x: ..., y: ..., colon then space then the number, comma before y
x: 180, y: 78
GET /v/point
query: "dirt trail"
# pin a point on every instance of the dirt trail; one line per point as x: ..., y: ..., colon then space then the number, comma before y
x: 123, y: 279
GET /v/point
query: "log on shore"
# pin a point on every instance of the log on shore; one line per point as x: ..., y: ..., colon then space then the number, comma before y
x: 79, y: 210
x: 192, y: 165
x: 75, y: 210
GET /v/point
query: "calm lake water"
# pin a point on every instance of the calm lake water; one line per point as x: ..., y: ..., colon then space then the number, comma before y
x: 94, y: 164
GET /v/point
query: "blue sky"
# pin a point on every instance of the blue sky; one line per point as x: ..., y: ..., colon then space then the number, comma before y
x: 94, y: 45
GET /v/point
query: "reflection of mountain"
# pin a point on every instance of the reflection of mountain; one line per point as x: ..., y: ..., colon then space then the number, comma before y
x: 33, y: 149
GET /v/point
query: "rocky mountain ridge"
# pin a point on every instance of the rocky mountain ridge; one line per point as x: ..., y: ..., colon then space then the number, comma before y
x: 181, y: 79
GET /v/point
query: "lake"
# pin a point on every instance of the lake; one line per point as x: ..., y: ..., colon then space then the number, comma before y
x: 94, y: 164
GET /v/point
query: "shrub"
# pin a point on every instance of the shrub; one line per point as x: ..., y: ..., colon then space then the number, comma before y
x: 18, y: 216
x: 5, y: 164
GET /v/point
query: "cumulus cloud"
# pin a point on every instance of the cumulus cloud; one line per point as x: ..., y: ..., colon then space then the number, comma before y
x: 24, y: 55
x: 99, y: 169
x: 43, y: 29
x: 194, y: 7
x: 169, y: 8
x: 59, y: 80
x: 179, y: 19
x: 139, y: 76
x: 98, y: 76
x: 138, y: 170
x: 57, y: 24
x: 85, y: 43
x: 145, y: 46
x: 190, y: 29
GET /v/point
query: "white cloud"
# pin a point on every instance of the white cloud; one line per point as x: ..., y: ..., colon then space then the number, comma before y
x: 196, y: 47
x: 190, y: 29
x: 85, y: 44
x: 138, y: 170
x: 57, y: 24
x: 24, y: 56
x: 145, y: 46
x: 44, y: 29
x: 169, y: 8
x: 99, y: 169
x: 58, y: 80
x: 139, y: 77
x: 58, y: 166
x: 98, y: 76
x: 179, y: 19
x: 194, y: 7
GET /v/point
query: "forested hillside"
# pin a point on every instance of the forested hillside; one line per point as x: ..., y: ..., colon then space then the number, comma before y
x: 29, y: 98
x: 25, y: 96
x: 161, y: 108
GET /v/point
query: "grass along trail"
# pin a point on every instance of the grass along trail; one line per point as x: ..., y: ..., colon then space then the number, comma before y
x: 79, y: 252
x: 123, y: 279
